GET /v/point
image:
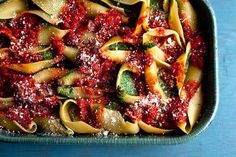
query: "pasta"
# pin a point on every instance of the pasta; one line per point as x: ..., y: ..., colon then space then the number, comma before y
x: 86, y: 67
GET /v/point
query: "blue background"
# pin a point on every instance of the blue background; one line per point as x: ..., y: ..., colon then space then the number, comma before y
x: 218, y: 140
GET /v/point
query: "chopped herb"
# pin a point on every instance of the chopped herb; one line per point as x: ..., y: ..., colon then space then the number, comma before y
x: 127, y: 84
x: 156, y: 5
x: 66, y: 91
x: 149, y: 44
x: 47, y: 55
x: 119, y: 46
x: 163, y: 85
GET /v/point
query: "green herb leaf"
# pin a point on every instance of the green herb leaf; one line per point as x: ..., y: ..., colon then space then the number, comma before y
x: 149, y: 44
x: 127, y: 84
x: 66, y: 91
x: 119, y: 46
x: 47, y: 55
x: 156, y: 5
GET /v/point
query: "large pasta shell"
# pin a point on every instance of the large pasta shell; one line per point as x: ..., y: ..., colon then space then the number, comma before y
x: 10, y: 8
x: 76, y: 126
x: 114, y: 122
x: 153, y: 130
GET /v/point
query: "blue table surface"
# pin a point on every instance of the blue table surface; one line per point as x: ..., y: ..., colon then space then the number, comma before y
x: 218, y: 140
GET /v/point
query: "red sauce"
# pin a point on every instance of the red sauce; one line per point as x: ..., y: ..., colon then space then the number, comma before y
x: 27, y: 91
x: 132, y: 38
x: 141, y: 20
x: 178, y: 110
x: 148, y: 60
x: 198, y: 50
x: 168, y: 77
x: 32, y: 100
x: 151, y: 111
x: 20, y: 114
x: 89, y: 113
x: 24, y: 57
x: 108, y: 25
x: 58, y: 45
x: 25, y: 28
x: 140, y: 84
x: 178, y: 70
x: 73, y: 14
x: 23, y: 34
x: 99, y: 71
x: 169, y: 46
x: 158, y: 19
x: 133, y: 112
x: 191, y: 88
x: 4, y: 84
x: 5, y: 36
x: 74, y: 17
x: 188, y: 32
x: 135, y: 60
x: 150, y: 114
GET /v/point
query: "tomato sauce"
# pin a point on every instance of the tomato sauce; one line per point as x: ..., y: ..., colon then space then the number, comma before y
x: 31, y: 99
x: 90, y: 111
x: 198, y: 50
x: 73, y: 14
x: 25, y: 28
x: 158, y: 19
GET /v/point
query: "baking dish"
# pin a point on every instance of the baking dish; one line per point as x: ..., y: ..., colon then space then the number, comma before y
x: 207, y: 21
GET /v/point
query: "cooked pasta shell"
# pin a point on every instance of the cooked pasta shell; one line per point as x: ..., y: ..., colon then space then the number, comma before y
x: 195, y: 104
x: 142, y: 22
x: 125, y: 86
x: 166, y: 5
x: 10, y: 8
x: 161, y: 32
x: 76, y: 126
x: 6, y: 103
x: 130, y: 2
x: 51, y: 7
x: 50, y: 19
x: 194, y: 110
x: 80, y: 92
x: 46, y: 33
x: 153, y: 130
x: 110, y: 4
x: 8, y: 124
x: 32, y: 127
x: 40, y: 49
x: 188, y: 13
x: 143, y: 15
x: 31, y: 68
x: 194, y: 74
x: 15, y: 126
x: 174, y: 20
x: 94, y: 8
x: 182, y: 64
x: 114, y: 122
x: 71, y: 53
x: 49, y: 74
x: 158, y: 55
x: 52, y: 125
x: 118, y: 56
x: 154, y: 82
x: 70, y: 78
